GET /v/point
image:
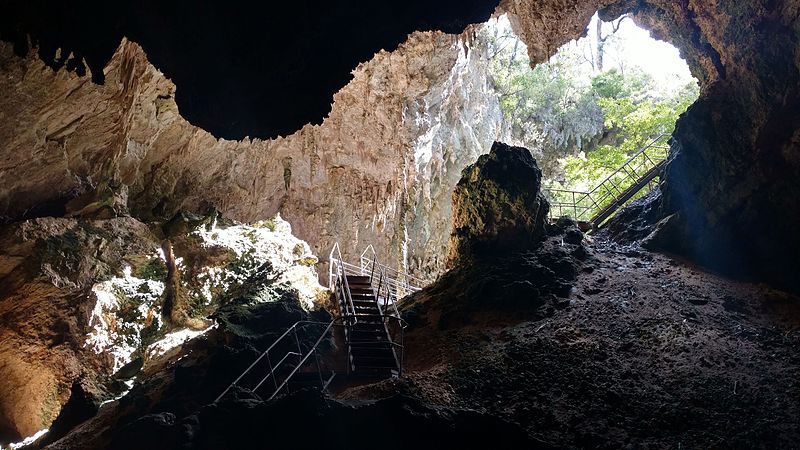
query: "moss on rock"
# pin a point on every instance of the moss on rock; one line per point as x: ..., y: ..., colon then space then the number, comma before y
x: 497, y: 206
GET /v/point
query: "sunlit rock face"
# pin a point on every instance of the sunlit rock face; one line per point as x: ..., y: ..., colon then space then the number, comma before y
x: 80, y: 302
x: 454, y: 124
x: 259, y: 69
x: 48, y: 267
x: 379, y: 170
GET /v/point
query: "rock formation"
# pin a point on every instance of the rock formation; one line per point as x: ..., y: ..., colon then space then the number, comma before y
x: 81, y: 301
x: 49, y: 266
x: 97, y: 152
x: 497, y: 206
x: 394, y: 144
x: 246, y: 69
x: 505, y: 259
x: 729, y: 185
x: 734, y: 153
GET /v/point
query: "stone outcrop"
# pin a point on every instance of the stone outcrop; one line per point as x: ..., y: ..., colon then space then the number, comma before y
x: 376, y: 171
x: 505, y: 259
x: 80, y: 304
x: 48, y: 267
x: 497, y: 206
x: 259, y: 69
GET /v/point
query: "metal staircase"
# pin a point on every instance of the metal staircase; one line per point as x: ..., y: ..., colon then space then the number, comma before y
x: 596, y: 206
x: 368, y: 323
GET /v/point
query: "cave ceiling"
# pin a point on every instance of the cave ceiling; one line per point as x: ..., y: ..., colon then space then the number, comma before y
x: 258, y: 69
x: 267, y: 69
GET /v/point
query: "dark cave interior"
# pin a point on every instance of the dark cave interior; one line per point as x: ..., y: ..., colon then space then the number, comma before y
x: 726, y: 216
x: 259, y: 69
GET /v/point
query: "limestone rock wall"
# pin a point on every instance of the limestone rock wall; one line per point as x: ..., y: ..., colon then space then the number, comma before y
x: 351, y: 179
x: 48, y: 267
x: 379, y: 170
x: 455, y: 124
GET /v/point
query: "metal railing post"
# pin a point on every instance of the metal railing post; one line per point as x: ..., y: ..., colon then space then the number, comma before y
x: 272, y: 371
x: 319, y: 369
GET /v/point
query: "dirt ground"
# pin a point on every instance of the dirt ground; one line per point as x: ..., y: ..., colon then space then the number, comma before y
x: 646, y: 351
x: 650, y: 353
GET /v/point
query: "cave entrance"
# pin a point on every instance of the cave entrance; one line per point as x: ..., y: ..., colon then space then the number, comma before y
x: 597, y: 116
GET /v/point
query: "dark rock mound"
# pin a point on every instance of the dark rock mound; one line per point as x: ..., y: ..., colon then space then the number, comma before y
x: 634, y: 222
x: 497, y: 206
x: 527, y: 284
x: 308, y: 420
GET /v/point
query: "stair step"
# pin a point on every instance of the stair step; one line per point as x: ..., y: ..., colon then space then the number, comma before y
x: 384, y: 361
x: 360, y: 290
x: 384, y: 371
x: 363, y: 308
x: 352, y: 279
x: 369, y: 332
x: 367, y: 326
x: 382, y: 353
x: 365, y: 316
x: 364, y: 301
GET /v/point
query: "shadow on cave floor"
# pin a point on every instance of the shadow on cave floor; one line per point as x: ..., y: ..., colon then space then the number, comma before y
x: 645, y: 351
x: 651, y: 352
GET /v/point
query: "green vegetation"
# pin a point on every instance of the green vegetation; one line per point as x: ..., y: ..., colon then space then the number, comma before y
x: 154, y: 269
x: 580, y: 123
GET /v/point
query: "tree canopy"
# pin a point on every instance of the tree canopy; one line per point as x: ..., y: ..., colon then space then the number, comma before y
x: 581, y: 123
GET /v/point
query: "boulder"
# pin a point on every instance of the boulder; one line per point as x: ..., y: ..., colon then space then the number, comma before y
x: 497, y: 205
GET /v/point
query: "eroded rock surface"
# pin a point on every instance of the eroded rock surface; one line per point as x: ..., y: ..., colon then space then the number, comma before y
x: 497, y: 206
x: 377, y: 170
x: 48, y: 267
x: 505, y: 259
x: 81, y: 301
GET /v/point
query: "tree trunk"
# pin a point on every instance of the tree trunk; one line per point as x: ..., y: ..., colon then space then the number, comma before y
x: 513, y: 56
x: 601, y: 42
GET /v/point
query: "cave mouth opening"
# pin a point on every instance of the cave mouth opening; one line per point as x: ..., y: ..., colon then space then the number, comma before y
x: 597, y: 116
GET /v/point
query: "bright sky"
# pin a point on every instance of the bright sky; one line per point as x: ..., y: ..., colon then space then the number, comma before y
x: 635, y: 47
x: 630, y: 47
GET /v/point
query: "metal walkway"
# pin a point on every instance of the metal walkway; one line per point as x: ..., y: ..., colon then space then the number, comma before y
x: 368, y: 322
x: 596, y: 206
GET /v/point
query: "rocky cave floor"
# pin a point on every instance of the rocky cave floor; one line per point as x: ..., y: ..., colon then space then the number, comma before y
x: 648, y: 352
x: 651, y: 352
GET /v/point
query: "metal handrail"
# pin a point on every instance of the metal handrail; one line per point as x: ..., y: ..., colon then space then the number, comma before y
x: 347, y: 319
x: 303, y: 361
x: 592, y: 201
x: 265, y: 354
x: 389, y: 298
x: 351, y: 313
x: 411, y: 284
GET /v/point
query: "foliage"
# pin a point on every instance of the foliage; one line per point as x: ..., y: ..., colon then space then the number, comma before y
x: 580, y: 124
x: 154, y: 269
x: 633, y: 119
x: 549, y: 108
